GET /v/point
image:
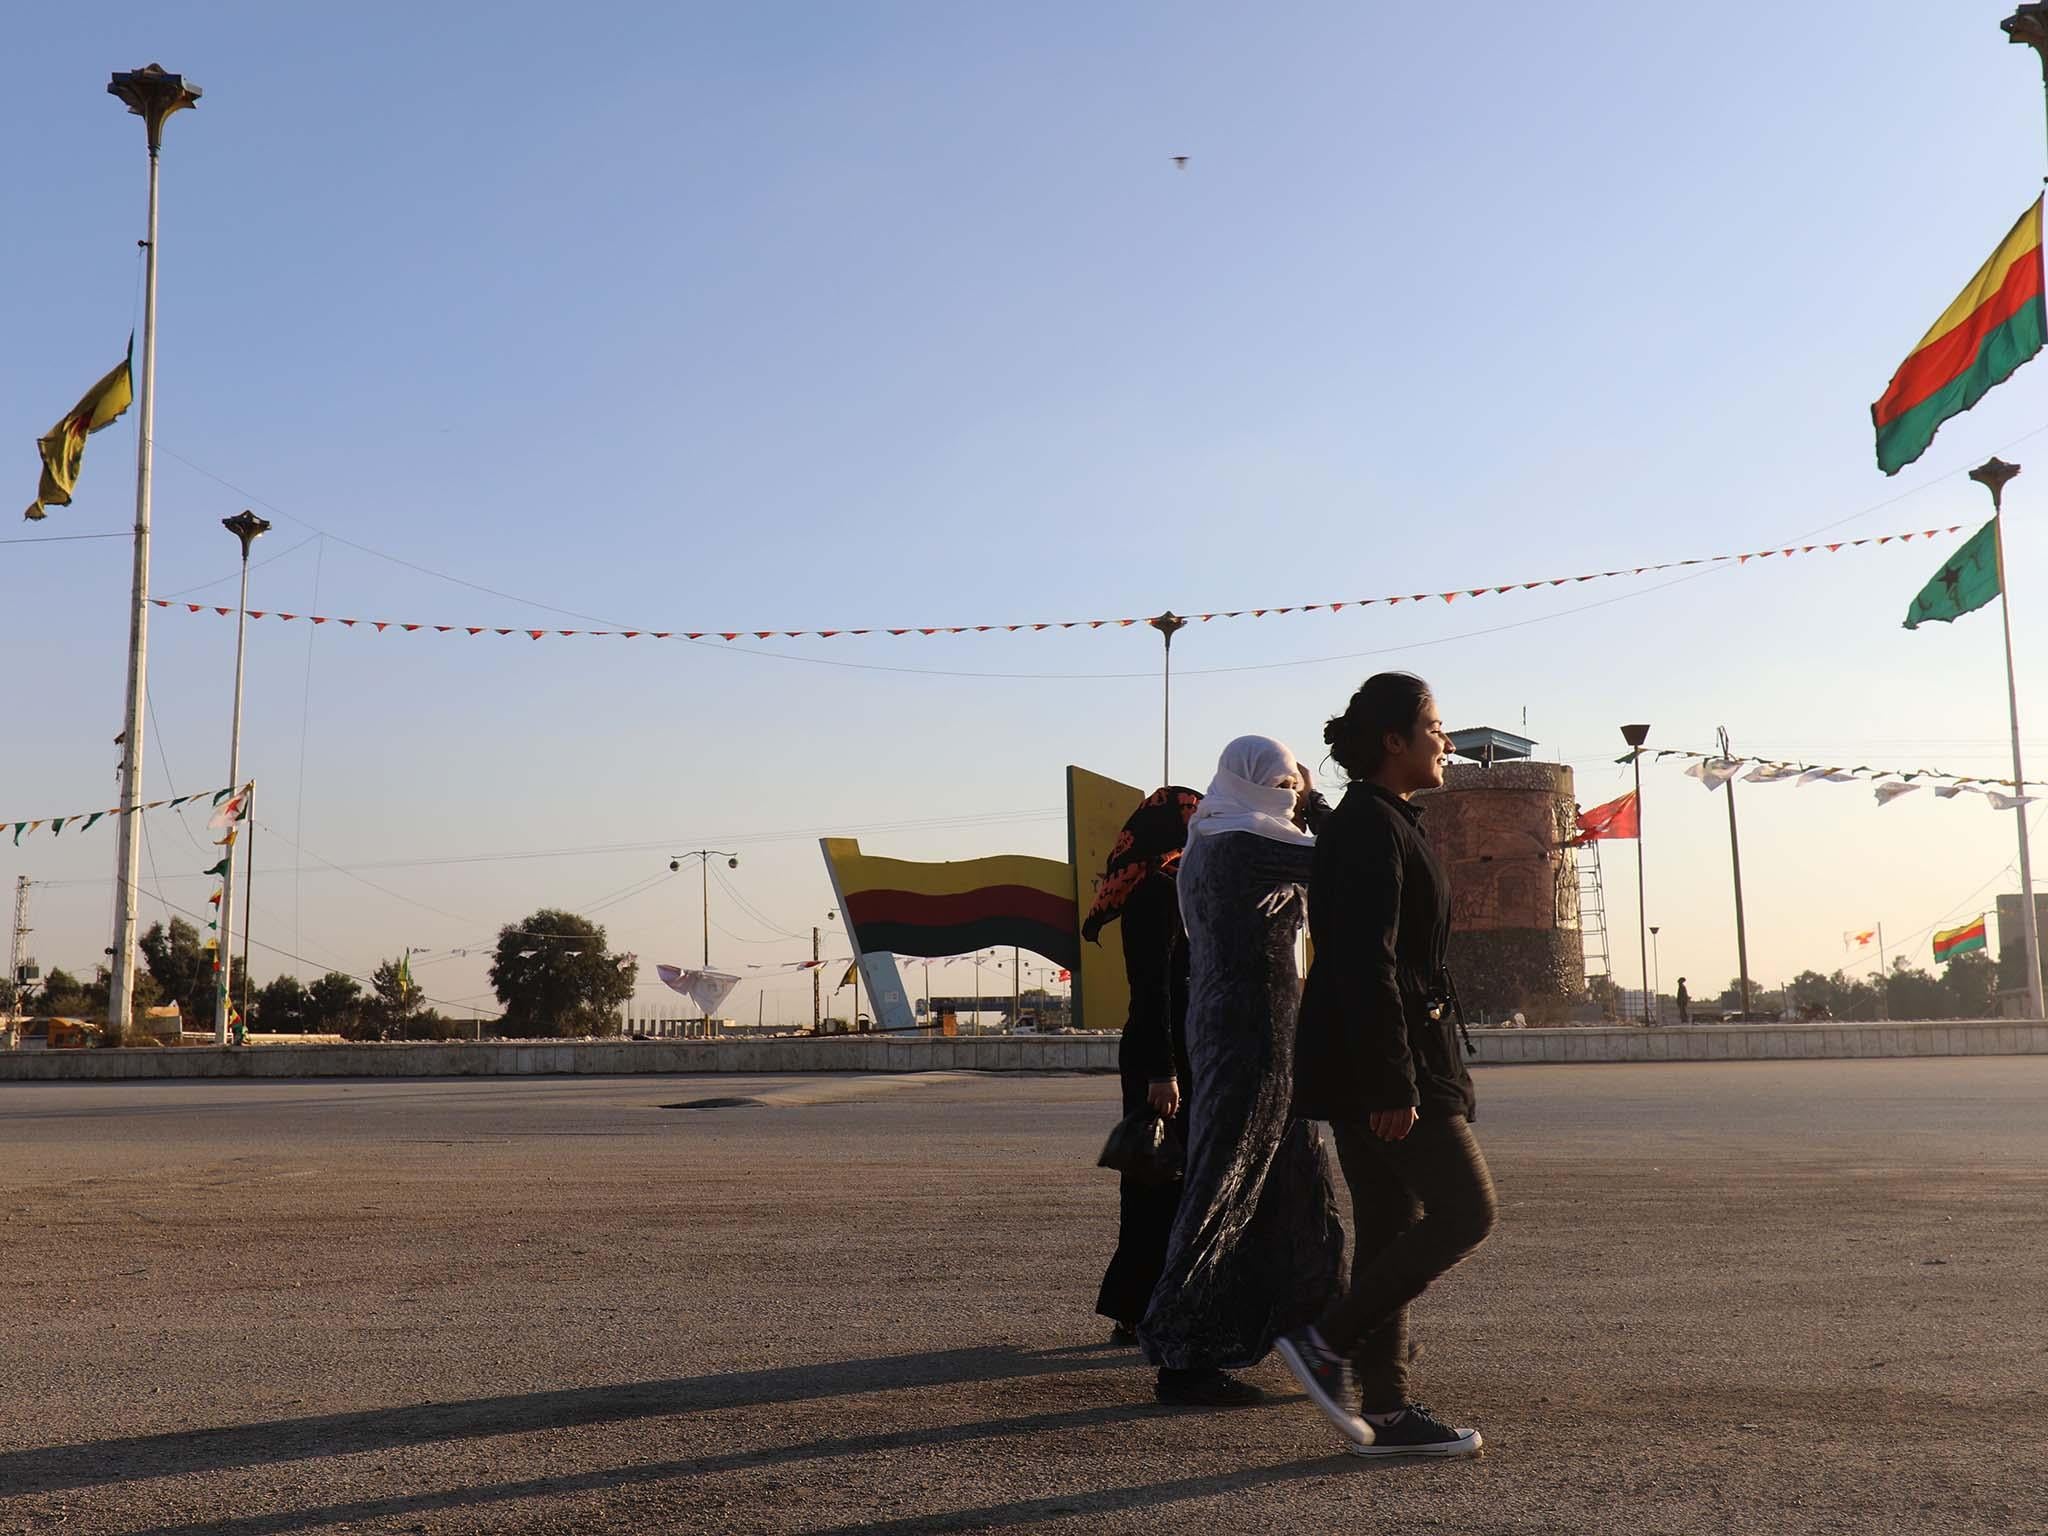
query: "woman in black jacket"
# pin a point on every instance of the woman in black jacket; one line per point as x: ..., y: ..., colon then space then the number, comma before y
x: 1378, y: 1058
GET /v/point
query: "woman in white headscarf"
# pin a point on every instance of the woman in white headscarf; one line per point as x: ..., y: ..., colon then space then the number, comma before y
x: 1257, y: 1245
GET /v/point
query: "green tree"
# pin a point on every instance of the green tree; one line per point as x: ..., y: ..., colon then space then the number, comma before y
x: 182, y: 970
x: 281, y: 1007
x: 62, y: 995
x: 1970, y: 985
x: 555, y: 977
x: 332, y: 1004
x: 1911, y: 993
x: 395, y: 1009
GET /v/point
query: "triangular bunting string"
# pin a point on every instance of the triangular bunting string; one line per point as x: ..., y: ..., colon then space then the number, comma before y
x: 1041, y: 626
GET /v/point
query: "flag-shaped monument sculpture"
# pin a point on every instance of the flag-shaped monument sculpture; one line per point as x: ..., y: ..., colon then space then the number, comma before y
x: 1995, y: 324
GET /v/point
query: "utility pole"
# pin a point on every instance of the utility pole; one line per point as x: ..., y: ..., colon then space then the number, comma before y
x: 153, y: 95
x: 1735, y: 857
x: 704, y: 856
x: 817, y: 992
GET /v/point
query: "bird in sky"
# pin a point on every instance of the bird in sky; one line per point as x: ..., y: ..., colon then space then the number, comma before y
x: 1181, y: 162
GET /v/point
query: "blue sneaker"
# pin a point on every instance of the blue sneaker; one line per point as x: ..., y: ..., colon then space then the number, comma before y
x: 1418, y: 1432
x: 1326, y: 1379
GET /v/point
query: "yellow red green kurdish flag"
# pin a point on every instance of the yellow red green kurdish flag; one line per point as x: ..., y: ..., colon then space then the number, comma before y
x: 1995, y: 324
x: 63, y: 450
x: 1951, y: 942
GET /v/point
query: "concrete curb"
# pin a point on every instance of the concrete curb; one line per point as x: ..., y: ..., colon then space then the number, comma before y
x: 1012, y: 1053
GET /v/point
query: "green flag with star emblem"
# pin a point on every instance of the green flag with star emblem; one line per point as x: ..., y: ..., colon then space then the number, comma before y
x: 1966, y: 582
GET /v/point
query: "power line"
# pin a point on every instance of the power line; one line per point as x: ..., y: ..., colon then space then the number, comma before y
x: 379, y: 553
x: 68, y: 538
x: 236, y: 573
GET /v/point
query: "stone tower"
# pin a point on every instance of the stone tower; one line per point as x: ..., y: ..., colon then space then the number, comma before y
x: 1502, y: 826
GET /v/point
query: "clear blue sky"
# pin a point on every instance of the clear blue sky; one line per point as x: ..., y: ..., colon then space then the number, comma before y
x: 822, y: 316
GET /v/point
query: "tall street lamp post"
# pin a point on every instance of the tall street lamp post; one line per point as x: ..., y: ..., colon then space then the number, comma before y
x: 1635, y: 736
x: 1993, y: 474
x: 247, y: 527
x: 1168, y: 624
x: 152, y: 94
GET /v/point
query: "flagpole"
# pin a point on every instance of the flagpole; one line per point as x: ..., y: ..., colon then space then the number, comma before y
x: 152, y: 95
x: 1993, y: 474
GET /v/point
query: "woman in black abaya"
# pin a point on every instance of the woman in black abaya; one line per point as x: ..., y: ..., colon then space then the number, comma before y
x: 1257, y: 1246
x: 1137, y: 890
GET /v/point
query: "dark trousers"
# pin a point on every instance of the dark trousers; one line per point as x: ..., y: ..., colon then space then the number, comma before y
x: 1418, y: 1206
x: 1145, y: 1215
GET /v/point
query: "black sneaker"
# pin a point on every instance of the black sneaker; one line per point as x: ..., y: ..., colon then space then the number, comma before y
x: 1418, y: 1432
x: 1209, y: 1388
x: 1324, y: 1377
x: 1124, y: 1336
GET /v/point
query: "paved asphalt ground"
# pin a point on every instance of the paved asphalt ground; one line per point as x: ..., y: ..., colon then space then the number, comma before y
x: 1756, y: 1297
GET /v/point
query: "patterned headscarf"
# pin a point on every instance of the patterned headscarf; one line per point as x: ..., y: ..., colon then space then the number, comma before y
x: 1150, y: 844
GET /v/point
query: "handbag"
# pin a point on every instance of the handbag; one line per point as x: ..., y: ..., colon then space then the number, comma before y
x: 1145, y: 1148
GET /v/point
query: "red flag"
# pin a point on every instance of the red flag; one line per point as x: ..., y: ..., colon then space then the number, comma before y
x: 1617, y: 818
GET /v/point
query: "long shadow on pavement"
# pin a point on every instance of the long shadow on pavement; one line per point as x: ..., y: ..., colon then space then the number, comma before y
x: 280, y: 1522
x: 1105, y: 1502
x: 48, y: 1469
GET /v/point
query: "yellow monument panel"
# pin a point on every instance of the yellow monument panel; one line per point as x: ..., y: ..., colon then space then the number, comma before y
x: 1097, y: 808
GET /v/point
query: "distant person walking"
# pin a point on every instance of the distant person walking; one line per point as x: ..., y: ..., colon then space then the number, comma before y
x: 1684, y: 1003
x: 1137, y: 890
x: 1379, y: 1059
x: 1258, y: 1243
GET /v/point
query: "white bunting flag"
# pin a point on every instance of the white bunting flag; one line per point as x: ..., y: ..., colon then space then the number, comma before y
x: 1887, y: 793
x: 1713, y: 772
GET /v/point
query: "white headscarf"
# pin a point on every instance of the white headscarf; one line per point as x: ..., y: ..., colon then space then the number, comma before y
x: 1243, y: 796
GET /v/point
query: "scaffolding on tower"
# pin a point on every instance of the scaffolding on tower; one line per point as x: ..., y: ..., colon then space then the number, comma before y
x: 1593, y: 912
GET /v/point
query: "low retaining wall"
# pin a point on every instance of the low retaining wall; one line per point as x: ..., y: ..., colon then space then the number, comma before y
x: 1765, y: 1042
x: 1015, y: 1053
x: 603, y: 1058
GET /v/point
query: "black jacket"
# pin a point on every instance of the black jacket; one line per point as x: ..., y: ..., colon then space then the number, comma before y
x: 1156, y: 961
x: 1379, y: 912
